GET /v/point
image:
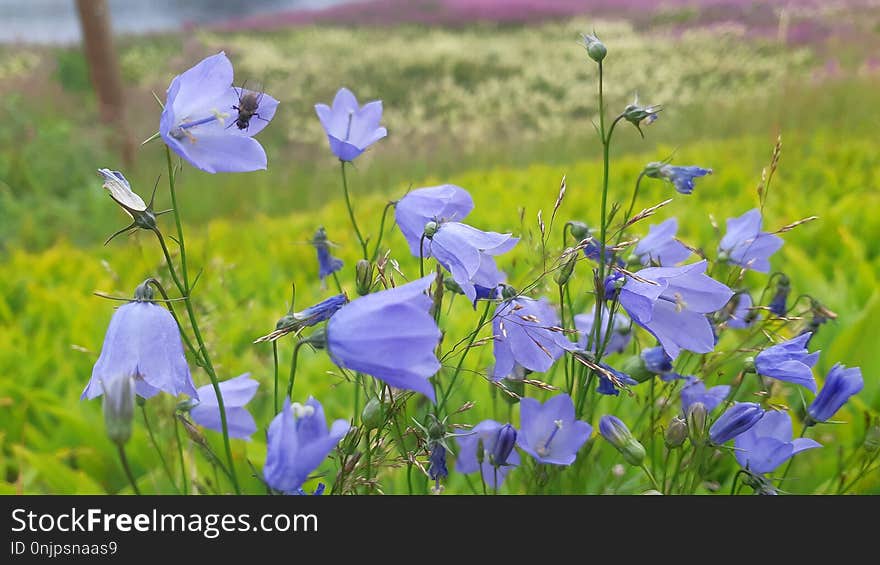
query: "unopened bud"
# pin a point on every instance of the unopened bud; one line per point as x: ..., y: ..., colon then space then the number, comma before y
x: 504, y: 444
x: 508, y: 292
x: 696, y: 422
x: 595, y: 48
x: 676, y: 433
x: 565, y: 271
x: 372, y: 415
x: 634, y: 366
x: 579, y: 230
x: 364, y: 273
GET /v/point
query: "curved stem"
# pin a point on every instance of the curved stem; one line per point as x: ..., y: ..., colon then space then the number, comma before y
x: 422, y: 256
x: 165, y: 466
x: 632, y: 203
x: 208, y: 366
x: 293, y: 363
x: 121, y: 450
x: 381, y: 231
x: 357, y: 230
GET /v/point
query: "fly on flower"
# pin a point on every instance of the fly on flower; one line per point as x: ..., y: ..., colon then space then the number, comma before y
x: 199, y: 104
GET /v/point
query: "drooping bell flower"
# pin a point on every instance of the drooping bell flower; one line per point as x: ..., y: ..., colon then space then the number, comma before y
x: 201, y: 119
x: 297, y: 443
x: 143, y: 342
x: 438, y: 204
x: 389, y: 335
x: 351, y: 128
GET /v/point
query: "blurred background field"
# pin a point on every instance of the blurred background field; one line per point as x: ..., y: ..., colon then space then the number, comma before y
x: 494, y: 96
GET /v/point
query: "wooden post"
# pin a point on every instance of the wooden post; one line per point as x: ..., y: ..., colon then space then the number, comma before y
x: 94, y: 17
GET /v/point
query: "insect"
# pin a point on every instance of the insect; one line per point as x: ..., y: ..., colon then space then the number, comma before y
x: 248, y: 106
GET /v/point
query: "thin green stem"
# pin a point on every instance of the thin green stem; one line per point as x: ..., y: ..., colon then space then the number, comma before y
x: 467, y: 349
x: 654, y: 482
x: 381, y: 231
x: 357, y: 230
x: 121, y: 450
x: 293, y: 363
x: 275, y: 365
x: 208, y: 366
x: 675, y: 473
x: 162, y: 459
x: 632, y: 202
x: 180, y: 455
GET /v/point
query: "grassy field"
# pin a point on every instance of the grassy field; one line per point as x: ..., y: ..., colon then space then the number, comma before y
x: 446, y: 93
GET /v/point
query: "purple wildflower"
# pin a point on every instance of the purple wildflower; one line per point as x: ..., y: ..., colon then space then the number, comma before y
x: 695, y: 391
x: 438, y: 204
x: 840, y: 384
x: 198, y: 120
x: 488, y: 448
x: 768, y: 444
x: 736, y: 420
x: 682, y: 178
x: 236, y: 393
x: 746, y: 245
x: 789, y: 361
x: 351, y: 128
x: 143, y: 341
x: 297, y: 443
x: 549, y: 432
x: 527, y: 332
x: 674, y: 309
x: 389, y: 335
x: 327, y: 264
x: 660, y: 248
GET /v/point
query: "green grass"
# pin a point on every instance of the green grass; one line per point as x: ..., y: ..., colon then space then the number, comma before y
x: 52, y: 326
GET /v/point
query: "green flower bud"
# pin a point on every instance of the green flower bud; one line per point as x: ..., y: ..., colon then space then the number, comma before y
x: 696, y: 422
x: 579, y: 230
x: 676, y: 433
x: 749, y: 364
x: 564, y: 272
x: 118, y: 403
x: 634, y: 366
x: 508, y: 292
x: 364, y: 273
x: 373, y: 414
x: 595, y: 48
x: 633, y: 452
